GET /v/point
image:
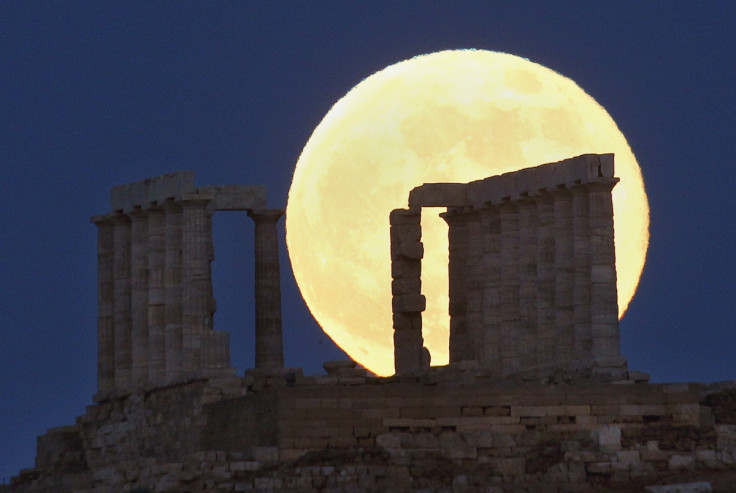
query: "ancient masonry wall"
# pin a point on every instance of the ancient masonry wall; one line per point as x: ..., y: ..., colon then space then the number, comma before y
x: 532, y: 270
x: 350, y: 432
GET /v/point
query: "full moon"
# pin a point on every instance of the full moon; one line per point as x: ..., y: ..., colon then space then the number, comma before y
x: 451, y: 116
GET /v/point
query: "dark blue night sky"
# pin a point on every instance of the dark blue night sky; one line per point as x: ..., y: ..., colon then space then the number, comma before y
x: 95, y: 94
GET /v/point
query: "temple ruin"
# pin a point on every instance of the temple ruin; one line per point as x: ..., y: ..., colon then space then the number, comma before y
x: 532, y: 271
x: 155, y: 296
x: 536, y: 397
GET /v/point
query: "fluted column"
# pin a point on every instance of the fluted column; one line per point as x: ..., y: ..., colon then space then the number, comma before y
x: 122, y: 304
x: 269, y: 339
x: 493, y: 268
x: 474, y: 285
x: 509, y: 306
x: 546, y: 331
x: 173, y: 289
x: 105, y: 303
x: 528, y: 221
x: 564, y: 274
x: 139, y: 295
x: 603, y: 291
x: 156, y: 294
x: 196, y: 281
x: 461, y: 344
x: 581, y: 281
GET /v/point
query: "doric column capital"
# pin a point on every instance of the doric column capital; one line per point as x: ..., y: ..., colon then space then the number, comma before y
x: 265, y: 215
x: 119, y: 218
x: 101, y: 220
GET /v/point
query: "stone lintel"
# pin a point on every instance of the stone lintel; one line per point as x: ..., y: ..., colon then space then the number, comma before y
x: 151, y: 190
x: 438, y: 195
x: 583, y: 169
x: 235, y: 197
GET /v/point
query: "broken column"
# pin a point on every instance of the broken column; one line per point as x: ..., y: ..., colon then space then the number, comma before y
x: 269, y: 341
x: 408, y: 303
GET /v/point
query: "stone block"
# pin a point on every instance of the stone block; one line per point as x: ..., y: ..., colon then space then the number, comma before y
x: 409, y: 303
x: 680, y: 462
x: 529, y: 411
x: 510, y: 466
x: 643, y: 410
x: 426, y: 440
x: 651, y: 452
x: 598, y: 467
x: 405, y: 216
x: 412, y: 250
x: 725, y: 436
x: 438, y: 195
x: 479, y: 438
x: 708, y: 458
x: 581, y: 410
x: 453, y: 446
x: 685, y: 414
x: 697, y: 487
x: 608, y: 438
x: 265, y: 454
x: 628, y: 456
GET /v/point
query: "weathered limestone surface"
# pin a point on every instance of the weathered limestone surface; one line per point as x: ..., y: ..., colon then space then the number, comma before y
x: 287, y: 432
x: 532, y: 269
x: 269, y: 339
x: 532, y: 300
x: 408, y: 303
x: 155, y: 296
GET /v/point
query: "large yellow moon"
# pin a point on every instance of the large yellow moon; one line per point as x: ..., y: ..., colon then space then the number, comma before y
x: 451, y: 116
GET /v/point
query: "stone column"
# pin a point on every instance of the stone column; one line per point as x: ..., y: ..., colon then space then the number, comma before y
x: 546, y: 330
x: 407, y: 302
x: 474, y: 284
x: 564, y: 273
x: 461, y: 345
x: 139, y: 296
x: 510, y: 324
x: 196, y: 281
x: 528, y: 221
x: 173, y: 289
x: 269, y: 339
x: 121, y: 295
x: 581, y: 282
x: 105, y: 304
x: 603, y: 291
x: 493, y: 268
x: 156, y: 294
